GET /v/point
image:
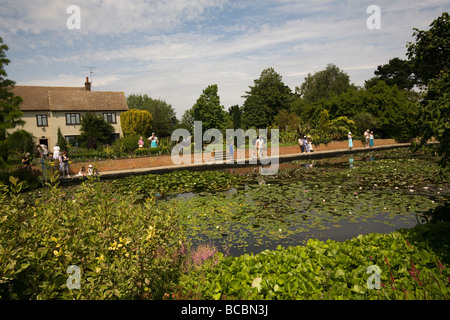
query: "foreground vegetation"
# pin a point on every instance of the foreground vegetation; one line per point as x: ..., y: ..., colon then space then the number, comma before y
x: 135, y: 239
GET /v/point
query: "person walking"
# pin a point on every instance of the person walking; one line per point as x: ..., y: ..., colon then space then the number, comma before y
x: 256, y: 152
x: 371, y: 142
x: 261, y: 147
x: 350, y: 141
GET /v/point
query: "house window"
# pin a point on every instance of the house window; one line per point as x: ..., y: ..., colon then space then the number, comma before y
x: 41, y: 120
x: 110, y: 117
x: 72, y: 118
x: 73, y: 140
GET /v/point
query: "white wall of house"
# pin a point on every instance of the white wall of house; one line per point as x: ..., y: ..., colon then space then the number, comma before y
x: 57, y: 119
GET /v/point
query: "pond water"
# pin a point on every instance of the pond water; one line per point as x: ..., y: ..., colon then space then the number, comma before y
x: 336, y: 198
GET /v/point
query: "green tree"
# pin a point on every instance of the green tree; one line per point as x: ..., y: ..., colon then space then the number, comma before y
x: 365, y: 120
x: 94, y: 129
x: 287, y: 121
x: 340, y: 127
x: 430, y: 53
x: 187, y: 120
x: 164, y: 118
x: 236, y: 116
x: 434, y: 116
x: 10, y: 113
x: 397, y: 72
x: 208, y: 110
x: 21, y: 141
x: 322, y: 84
x: 323, y: 125
x: 265, y: 99
x: 136, y: 122
x: 62, y: 143
x: 391, y: 107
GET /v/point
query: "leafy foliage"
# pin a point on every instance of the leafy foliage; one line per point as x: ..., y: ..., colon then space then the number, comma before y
x: 163, y: 115
x: 265, y: 99
x: 328, y: 270
x: 136, y: 122
x: 176, y: 182
x: 10, y: 112
x: 323, y: 84
x: 208, y: 110
x: 123, y: 251
x: 430, y: 53
x: 94, y: 129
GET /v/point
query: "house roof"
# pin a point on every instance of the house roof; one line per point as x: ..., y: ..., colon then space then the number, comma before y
x: 37, y: 98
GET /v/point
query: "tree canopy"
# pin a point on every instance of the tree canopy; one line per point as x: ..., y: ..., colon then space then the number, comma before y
x: 430, y: 53
x: 94, y: 129
x: 164, y: 118
x: 10, y: 113
x: 322, y: 84
x: 136, y: 122
x: 208, y: 110
x: 265, y: 99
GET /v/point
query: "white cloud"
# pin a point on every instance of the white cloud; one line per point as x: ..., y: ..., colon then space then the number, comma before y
x: 174, y: 49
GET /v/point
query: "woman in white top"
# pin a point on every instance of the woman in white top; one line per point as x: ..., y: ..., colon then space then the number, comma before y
x: 56, y: 153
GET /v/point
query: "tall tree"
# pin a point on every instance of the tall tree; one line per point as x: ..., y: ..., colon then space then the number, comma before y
x: 208, y: 110
x: 430, y: 53
x: 10, y: 113
x: 434, y: 116
x: 397, y: 72
x: 187, y: 120
x: 164, y: 118
x: 236, y: 115
x: 265, y: 99
x: 322, y: 84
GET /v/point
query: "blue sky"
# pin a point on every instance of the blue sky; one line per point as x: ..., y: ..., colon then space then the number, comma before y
x: 172, y: 50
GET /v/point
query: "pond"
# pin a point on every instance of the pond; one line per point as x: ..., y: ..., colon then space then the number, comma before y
x: 335, y: 198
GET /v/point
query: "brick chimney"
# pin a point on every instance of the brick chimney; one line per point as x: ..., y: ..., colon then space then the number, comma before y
x: 87, y: 85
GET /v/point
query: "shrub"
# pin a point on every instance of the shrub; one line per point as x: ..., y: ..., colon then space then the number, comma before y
x: 328, y: 270
x: 141, y: 152
x: 124, y: 251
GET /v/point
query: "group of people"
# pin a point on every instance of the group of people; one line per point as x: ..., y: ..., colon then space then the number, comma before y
x: 153, y: 141
x: 368, y: 139
x: 63, y: 159
x: 305, y: 144
x: 90, y: 171
x: 43, y: 154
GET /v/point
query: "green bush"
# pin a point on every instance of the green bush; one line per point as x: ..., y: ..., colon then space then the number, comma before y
x: 327, y: 270
x: 124, y: 251
x: 30, y: 176
x: 128, y: 144
x: 141, y: 152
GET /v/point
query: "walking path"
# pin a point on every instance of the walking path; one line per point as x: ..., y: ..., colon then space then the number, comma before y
x: 224, y: 164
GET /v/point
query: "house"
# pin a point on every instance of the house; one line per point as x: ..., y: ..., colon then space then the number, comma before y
x: 45, y: 109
